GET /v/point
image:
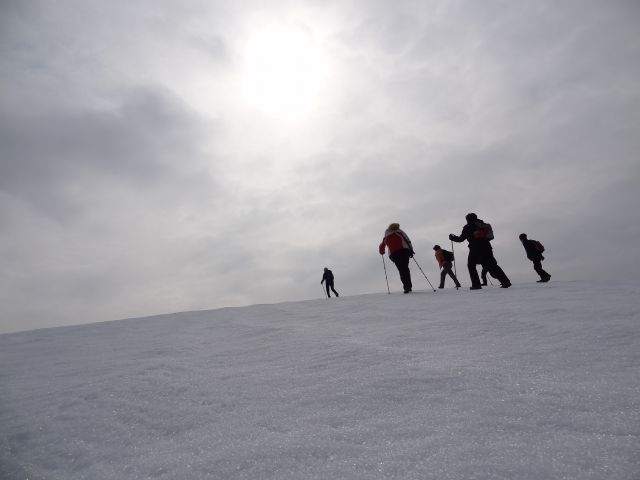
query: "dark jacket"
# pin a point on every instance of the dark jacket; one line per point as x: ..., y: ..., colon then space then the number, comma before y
x: 476, y: 245
x: 328, y: 276
x: 533, y: 253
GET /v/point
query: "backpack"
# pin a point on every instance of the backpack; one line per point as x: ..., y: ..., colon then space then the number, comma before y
x: 538, y: 246
x: 447, y: 255
x: 484, y: 231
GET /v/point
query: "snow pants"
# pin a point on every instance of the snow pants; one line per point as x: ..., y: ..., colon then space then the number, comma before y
x: 446, y: 270
x: 488, y: 262
x: 329, y: 285
x: 401, y: 259
x: 537, y: 266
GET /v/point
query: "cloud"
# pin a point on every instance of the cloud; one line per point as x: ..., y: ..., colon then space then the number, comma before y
x: 135, y: 179
x: 59, y: 160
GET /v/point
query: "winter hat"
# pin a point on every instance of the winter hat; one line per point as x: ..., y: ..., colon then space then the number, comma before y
x: 394, y: 226
x: 471, y: 216
x: 436, y: 247
x: 523, y: 236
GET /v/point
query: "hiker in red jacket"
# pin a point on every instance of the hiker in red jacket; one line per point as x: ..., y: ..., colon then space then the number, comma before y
x: 400, y: 251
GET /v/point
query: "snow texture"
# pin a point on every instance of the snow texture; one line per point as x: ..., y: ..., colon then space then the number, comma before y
x: 534, y: 382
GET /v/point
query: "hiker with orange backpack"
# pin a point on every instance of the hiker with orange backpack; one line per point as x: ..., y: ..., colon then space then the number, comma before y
x: 479, y: 235
x: 445, y: 260
x: 534, y: 251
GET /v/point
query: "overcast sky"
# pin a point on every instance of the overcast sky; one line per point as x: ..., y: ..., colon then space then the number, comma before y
x: 162, y: 156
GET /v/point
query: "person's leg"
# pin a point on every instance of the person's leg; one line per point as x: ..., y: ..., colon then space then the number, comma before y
x: 334, y: 290
x: 327, y: 287
x: 401, y: 259
x: 483, y: 276
x: 443, y: 274
x: 453, y: 276
x: 491, y: 264
x: 473, y: 273
x: 537, y: 266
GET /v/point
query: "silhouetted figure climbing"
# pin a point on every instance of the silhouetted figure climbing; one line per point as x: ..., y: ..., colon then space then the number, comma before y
x: 327, y: 279
x: 445, y: 260
x: 534, y: 251
x: 400, y: 251
x: 479, y: 235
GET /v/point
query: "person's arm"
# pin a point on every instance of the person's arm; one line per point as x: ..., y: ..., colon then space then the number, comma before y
x: 464, y: 235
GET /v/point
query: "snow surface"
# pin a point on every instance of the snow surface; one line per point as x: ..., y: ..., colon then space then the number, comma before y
x: 534, y: 382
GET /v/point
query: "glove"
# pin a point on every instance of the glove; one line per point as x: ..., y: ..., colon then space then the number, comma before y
x: 412, y: 253
x: 452, y: 236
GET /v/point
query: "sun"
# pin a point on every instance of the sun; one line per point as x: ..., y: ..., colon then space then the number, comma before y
x: 283, y: 70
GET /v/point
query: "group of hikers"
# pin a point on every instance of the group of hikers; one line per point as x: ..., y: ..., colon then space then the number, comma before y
x: 479, y: 235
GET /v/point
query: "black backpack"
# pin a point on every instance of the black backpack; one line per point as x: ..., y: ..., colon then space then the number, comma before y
x: 447, y: 255
x: 538, y: 246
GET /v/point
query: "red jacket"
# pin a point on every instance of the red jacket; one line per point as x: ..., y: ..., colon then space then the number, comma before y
x: 395, y: 240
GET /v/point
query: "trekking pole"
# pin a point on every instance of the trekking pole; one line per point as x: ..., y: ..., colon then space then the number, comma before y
x: 453, y: 252
x: 324, y: 292
x: 385, y: 274
x: 425, y: 276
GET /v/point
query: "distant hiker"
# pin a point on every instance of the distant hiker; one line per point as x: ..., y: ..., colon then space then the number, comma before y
x: 445, y: 260
x: 479, y: 236
x: 400, y: 251
x: 534, y: 251
x: 327, y: 277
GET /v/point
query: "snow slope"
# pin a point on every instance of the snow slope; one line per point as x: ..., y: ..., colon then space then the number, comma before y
x: 534, y: 382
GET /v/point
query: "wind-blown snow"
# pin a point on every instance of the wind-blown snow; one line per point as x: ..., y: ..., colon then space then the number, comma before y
x: 534, y: 382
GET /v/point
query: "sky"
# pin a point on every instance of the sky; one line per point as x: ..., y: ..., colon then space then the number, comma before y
x: 164, y: 156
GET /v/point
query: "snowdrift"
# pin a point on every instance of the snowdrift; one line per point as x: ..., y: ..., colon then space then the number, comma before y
x: 533, y: 382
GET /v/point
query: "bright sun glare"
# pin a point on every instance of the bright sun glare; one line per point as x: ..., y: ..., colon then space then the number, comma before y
x: 284, y: 70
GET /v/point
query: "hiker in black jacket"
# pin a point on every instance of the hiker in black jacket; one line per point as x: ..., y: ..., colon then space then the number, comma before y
x: 328, y: 278
x: 534, y: 251
x: 480, y: 251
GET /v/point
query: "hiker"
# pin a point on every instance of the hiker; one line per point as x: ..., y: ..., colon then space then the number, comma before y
x: 479, y: 236
x: 534, y: 251
x: 445, y: 260
x: 400, y: 251
x: 327, y: 277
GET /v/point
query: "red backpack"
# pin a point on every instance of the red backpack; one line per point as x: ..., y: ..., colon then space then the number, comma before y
x: 484, y: 231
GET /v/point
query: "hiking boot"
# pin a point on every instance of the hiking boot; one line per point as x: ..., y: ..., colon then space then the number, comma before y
x: 441, y: 286
x: 484, y: 284
x: 505, y: 285
x: 475, y: 287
